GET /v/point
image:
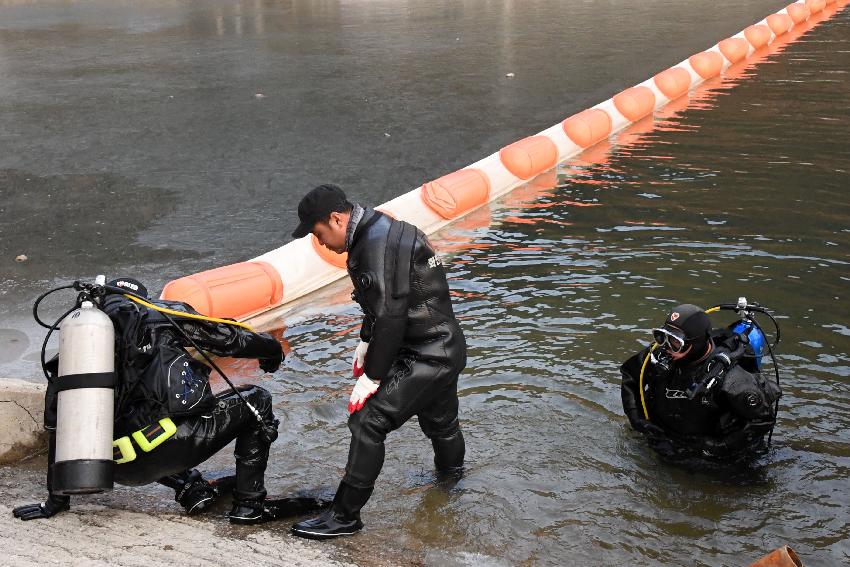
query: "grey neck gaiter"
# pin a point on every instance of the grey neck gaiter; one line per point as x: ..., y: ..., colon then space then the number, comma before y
x: 353, y: 221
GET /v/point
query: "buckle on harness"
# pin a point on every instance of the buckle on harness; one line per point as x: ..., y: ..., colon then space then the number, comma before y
x: 122, y: 451
x: 152, y: 436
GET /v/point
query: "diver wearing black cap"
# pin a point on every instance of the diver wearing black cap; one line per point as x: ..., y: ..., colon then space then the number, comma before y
x: 411, y: 348
x: 165, y: 410
x: 689, y: 394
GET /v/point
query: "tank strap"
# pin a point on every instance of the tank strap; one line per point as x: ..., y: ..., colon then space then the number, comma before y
x: 402, y: 237
x: 92, y: 380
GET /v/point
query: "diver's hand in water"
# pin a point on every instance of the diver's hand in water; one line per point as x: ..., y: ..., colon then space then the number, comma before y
x: 642, y: 425
x: 363, y: 389
x: 653, y: 430
x: 52, y: 506
x: 359, y: 359
x: 647, y: 427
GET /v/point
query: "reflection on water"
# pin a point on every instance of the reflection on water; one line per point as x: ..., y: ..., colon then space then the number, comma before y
x: 739, y: 193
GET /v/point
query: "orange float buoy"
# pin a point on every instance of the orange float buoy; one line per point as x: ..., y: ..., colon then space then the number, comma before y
x: 758, y: 35
x: 707, y: 64
x: 780, y: 23
x: 815, y: 6
x: 454, y: 194
x: 781, y: 557
x: 233, y: 291
x: 587, y: 127
x: 734, y: 48
x: 328, y: 255
x: 674, y: 82
x: 798, y: 12
x: 529, y: 156
x: 635, y: 103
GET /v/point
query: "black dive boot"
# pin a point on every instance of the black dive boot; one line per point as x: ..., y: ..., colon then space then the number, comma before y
x: 191, y: 491
x: 341, y: 519
x: 251, y: 512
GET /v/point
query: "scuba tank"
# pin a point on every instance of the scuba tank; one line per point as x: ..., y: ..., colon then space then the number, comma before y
x: 751, y: 334
x: 86, y: 381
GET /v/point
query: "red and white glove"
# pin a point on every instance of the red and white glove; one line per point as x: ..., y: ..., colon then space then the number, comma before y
x: 359, y: 359
x: 363, y: 389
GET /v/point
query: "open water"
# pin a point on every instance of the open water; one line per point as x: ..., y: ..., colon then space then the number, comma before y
x: 739, y: 191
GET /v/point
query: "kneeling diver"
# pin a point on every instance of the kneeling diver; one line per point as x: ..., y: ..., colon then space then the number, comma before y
x: 163, y: 403
x: 698, y: 390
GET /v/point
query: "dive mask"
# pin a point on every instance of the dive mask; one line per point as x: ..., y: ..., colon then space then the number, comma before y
x: 668, y: 340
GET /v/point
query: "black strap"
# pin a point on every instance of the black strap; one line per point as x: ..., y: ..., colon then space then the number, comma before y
x: 406, y: 242
x: 93, y: 380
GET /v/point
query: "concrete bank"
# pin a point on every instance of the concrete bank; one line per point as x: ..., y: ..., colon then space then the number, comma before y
x: 139, y: 527
x: 21, y: 414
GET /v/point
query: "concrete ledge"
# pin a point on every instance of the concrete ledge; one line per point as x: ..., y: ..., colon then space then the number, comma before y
x: 143, y: 526
x: 21, y: 420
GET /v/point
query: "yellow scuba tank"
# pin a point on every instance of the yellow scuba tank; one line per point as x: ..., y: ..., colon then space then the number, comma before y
x: 84, y: 424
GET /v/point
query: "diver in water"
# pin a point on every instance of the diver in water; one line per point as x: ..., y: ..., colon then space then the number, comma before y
x: 164, y: 404
x: 698, y: 391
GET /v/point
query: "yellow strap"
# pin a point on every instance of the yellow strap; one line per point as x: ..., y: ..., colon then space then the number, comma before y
x: 126, y: 448
x: 168, y: 429
x: 713, y: 309
x: 640, y: 382
x: 189, y: 315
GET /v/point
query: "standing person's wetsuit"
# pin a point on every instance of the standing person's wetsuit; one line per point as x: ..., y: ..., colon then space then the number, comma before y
x: 157, y: 378
x: 698, y: 399
x: 411, y: 353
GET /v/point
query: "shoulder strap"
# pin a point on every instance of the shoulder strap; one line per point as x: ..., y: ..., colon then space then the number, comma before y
x: 402, y: 238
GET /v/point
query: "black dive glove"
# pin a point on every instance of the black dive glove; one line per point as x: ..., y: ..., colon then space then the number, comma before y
x: 649, y: 428
x: 644, y: 425
x: 52, y: 506
x: 271, y: 364
x: 267, y: 430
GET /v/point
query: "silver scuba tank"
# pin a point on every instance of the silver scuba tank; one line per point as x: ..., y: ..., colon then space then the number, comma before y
x: 86, y: 381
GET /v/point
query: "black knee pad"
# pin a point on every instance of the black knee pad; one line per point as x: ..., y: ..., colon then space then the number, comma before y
x: 370, y: 423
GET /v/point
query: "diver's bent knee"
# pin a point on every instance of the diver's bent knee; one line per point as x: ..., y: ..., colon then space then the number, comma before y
x: 370, y: 422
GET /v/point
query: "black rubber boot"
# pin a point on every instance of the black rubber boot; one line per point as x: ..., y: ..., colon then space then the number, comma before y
x: 191, y: 491
x: 342, y: 519
x: 248, y: 512
x: 449, y: 452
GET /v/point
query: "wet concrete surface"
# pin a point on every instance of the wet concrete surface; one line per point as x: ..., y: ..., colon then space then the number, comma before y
x: 141, y: 527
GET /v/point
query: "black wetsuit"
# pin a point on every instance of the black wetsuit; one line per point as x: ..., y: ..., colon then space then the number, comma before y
x: 729, y: 419
x: 416, y: 347
x: 151, y: 361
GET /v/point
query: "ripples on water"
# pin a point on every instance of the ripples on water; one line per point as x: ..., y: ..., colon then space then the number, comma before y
x: 742, y: 193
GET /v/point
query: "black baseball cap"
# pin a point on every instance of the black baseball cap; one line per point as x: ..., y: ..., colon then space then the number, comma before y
x: 317, y: 205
